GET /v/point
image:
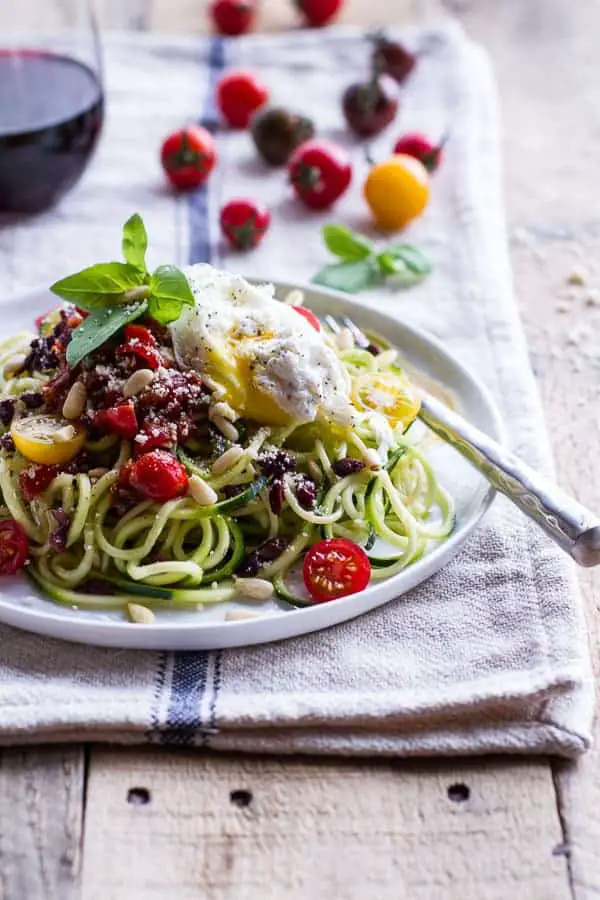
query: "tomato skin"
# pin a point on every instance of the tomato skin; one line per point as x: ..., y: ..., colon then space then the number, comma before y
x: 188, y: 156
x: 319, y: 12
x: 119, y: 420
x: 418, y: 145
x: 239, y: 95
x: 320, y: 172
x: 140, y: 342
x: 14, y: 547
x: 309, y: 316
x: 34, y: 479
x: 334, y: 568
x: 233, y: 16
x: 397, y: 191
x: 244, y: 223
x: 159, y: 476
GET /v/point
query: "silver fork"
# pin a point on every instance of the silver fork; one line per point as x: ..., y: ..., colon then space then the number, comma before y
x: 574, y: 528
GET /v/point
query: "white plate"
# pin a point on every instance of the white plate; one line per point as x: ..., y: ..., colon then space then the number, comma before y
x: 22, y: 607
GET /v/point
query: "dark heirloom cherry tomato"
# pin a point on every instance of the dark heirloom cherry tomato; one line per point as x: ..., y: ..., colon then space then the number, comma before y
x: 320, y: 172
x: 319, y: 12
x: 370, y: 106
x: 392, y: 58
x: 14, y: 547
x: 239, y: 95
x: 335, y: 568
x: 244, y: 223
x: 119, y: 420
x: 418, y: 145
x: 188, y: 157
x: 309, y: 316
x: 158, y: 476
x: 233, y: 16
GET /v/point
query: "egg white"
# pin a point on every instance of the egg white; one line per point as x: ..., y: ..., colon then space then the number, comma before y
x: 273, y: 366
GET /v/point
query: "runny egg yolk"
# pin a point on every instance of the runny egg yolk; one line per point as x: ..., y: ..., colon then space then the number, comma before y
x: 231, y: 366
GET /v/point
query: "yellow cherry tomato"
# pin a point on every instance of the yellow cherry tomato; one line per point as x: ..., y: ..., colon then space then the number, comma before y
x: 47, y: 440
x: 387, y: 393
x: 397, y: 191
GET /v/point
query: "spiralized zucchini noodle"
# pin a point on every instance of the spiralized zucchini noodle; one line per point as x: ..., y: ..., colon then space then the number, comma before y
x: 180, y: 554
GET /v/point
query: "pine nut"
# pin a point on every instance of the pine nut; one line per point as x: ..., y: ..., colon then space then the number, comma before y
x: 136, y: 383
x: 202, y: 492
x: 13, y: 365
x: 239, y: 615
x: 372, y: 459
x: 224, y: 410
x: 255, y: 588
x: 226, y: 428
x: 74, y: 403
x: 217, y: 389
x: 227, y: 459
x: 344, y: 339
x: 294, y: 298
x: 386, y: 358
x: 140, y: 614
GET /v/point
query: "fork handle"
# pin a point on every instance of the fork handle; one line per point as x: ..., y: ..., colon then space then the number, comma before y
x: 571, y: 525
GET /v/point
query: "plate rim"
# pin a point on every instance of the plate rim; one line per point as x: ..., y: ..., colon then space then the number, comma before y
x: 203, y: 636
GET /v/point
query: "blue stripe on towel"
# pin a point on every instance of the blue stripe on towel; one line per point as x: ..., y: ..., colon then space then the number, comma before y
x: 193, y: 673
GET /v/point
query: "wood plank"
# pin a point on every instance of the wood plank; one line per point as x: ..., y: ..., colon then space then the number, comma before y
x: 546, y: 60
x: 173, y: 825
x: 41, y: 803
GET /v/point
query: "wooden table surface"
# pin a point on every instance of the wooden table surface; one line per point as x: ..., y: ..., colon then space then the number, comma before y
x: 117, y: 824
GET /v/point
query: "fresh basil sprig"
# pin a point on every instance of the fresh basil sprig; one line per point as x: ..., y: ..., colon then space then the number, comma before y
x: 363, y: 266
x: 116, y: 293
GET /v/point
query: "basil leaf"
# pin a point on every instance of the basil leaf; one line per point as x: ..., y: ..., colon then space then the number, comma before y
x: 135, y: 242
x: 388, y: 264
x: 412, y: 258
x: 100, y: 286
x: 350, y: 277
x: 169, y: 293
x: 343, y: 242
x: 98, y: 328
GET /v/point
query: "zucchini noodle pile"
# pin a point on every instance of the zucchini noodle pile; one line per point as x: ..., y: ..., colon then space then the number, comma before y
x: 179, y: 554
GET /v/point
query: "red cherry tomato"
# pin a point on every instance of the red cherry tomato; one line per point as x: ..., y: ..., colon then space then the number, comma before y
x: 239, y: 95
x: 140, y: 342
x: 335, y: 568
x: 418, y: 145
x: 188, y: 157
x: 139, y: 333
x: 309, y: 316
x: 119, y: 420
x: 244, y: 223
x: 34, y: 479
x: 14, y: 547
x: 159, y: 476
x: 320, y: 172
x: 233, y: 16
x: 319, y: 12
x: 152, y: 436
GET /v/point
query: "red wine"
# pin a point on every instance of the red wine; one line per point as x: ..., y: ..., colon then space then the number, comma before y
x: 51, y: 110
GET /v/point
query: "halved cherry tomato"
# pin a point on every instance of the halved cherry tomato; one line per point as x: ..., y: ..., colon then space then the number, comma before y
x: 188, y: 157
x: 139, y: 333
x: 387, y: 393
x: 14, y: 547
x: 153, y: 436
x: 239, y: 95
x: 47, y: 440
x: 335, y: 568
x: 140, y: 341
x: 159, y: 476
x: 119, y: 420
x: 34, y: 480
x: 309, y: 316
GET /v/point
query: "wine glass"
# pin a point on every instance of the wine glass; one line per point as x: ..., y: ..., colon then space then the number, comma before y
x: 51, y: 99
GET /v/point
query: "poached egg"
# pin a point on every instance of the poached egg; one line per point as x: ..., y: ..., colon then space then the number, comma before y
x: 271, y: 364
